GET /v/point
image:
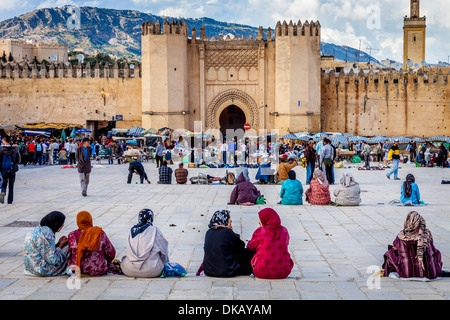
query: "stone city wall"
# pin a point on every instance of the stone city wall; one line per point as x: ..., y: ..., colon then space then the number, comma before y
x: 69, y: 95
x: 386, y: 103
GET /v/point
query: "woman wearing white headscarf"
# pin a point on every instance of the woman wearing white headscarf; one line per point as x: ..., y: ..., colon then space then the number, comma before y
x: 348, y: 192
x: 147, y: 249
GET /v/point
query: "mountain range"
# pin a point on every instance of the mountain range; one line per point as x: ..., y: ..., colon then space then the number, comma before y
x: 118, y: 32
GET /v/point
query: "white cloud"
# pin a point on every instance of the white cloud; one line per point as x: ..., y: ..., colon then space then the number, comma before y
x: 54, y: 3
x: 343, y: 21
x: 12, y: 4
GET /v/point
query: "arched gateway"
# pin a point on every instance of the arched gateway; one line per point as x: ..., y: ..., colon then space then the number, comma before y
x: 233, y: 108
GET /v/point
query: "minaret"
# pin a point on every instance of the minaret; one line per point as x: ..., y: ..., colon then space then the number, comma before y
x: 414, y: 36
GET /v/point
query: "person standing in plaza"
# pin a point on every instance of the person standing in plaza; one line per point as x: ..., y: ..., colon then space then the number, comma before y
x: 24, y: 153
x: 50, y: 150
x: 366, y: 151
x: 31, y: 152
x: 394, y: 156
x: 83, y: 157
x: 310, y: 155
x: 118, y: 151
x: 55, y: 151
x: 39, y: 152
x: 9, y: 165
x: 159, y: 154
x: 319, y: 146
x: 224, y: 149
x: 44, y: 152
x: 72, y: 150
x: 326, y: 159
x: 385, y: 149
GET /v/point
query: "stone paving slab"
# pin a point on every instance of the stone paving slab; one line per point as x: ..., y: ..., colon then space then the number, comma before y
x: 332, y: 247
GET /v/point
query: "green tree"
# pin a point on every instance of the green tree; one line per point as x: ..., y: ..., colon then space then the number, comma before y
x: 10, y: 58
x: 3, y: 58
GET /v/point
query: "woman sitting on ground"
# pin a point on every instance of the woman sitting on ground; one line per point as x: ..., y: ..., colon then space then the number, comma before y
x: 410, y: 191
x: 147, y: 249
x: 318, y: 192
x: 225, y: 254
x: 413, y: 254
x: 42, y: 257
x: 291, y: 190
x: 244, y: 193
x: 92, y: 252
x: 348, y: 192
x: 270, y: 244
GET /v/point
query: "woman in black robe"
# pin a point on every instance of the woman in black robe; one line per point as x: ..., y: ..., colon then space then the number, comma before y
x: 225, y: 254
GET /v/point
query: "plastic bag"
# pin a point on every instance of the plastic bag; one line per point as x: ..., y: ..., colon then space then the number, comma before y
x: 173, y: 269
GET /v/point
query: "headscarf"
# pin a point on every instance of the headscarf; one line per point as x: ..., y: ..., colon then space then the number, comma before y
x: 219, y: 219
x: 415, y: 229
x: 320, y: 176
x: 145, y: 220
x: 54, y: 220
x: 347, y: 180
x: 270, y: 221
x: 292, y: 175
x: 407, y: 189
x: 90, y: 236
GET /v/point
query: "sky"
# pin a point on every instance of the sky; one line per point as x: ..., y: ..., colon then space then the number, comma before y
x: 374, y: 26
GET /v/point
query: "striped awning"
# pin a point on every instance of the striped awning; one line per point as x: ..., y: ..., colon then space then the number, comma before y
x: 438, y: 139
x: 338, y: 139
x: 136, y: 131
x: 290, y: 136
x: 378, y: 139
x: 358, y: 138
x: 400, y: 139
x: 36, y: 133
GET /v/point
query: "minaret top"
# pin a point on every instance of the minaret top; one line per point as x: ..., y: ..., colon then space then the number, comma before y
x: 415, y: 7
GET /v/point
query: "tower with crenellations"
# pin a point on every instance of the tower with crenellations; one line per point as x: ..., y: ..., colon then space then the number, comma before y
x: 165, y: 81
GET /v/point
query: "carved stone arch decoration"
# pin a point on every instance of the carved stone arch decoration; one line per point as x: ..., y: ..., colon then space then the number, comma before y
x: 232, y: 97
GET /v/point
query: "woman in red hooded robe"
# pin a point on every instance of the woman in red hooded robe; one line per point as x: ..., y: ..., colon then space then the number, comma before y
x: 270, y: 242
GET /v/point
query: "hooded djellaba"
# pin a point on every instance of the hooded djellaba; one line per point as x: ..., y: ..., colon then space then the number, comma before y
x: 244, y: 193
x: 147, y: 249
x: 348, y: 192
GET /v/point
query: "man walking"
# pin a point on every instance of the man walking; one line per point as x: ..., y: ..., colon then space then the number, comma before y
x: 83, y: 157
x: 394, y: 156
x: 9, y: 165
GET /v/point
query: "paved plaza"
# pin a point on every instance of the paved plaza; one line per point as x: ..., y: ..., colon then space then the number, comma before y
x: 335, y: 249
